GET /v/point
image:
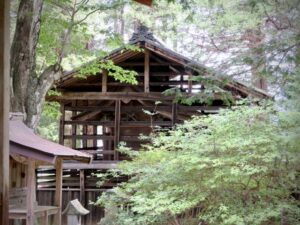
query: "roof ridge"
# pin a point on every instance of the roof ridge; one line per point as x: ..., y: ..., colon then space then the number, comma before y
x: 142, y: 33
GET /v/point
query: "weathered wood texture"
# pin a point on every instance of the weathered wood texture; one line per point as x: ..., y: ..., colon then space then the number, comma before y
x: 147, y: 71
x: 30, y: 192
x: 4, y: 107
x: 74, y: 182
x: 58, y: 192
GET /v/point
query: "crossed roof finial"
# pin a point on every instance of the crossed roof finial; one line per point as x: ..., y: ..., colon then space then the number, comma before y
x: 141, y: 34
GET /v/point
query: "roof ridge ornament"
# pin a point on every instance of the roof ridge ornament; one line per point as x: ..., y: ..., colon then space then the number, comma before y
x: 142, y: 34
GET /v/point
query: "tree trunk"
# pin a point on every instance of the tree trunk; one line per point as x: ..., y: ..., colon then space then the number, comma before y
x: 23, y: 51
x: 28, y: 89
x: 36, y: 93
x: 256, y: 38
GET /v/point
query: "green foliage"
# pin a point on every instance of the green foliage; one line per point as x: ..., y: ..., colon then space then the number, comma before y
x: 49, y: 123
x: 235, y: 167
x: 117, y: 72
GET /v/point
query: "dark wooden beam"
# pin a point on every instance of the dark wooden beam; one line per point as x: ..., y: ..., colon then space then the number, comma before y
x: 85, y: 137
x: 168, y: 63
x: 94, y: 165
x: 116, y: 84
x: 111, y: 124
x: 155, y: 96
x: 138, y: 108
x: 130, y: 64
x: 4, y: 108
x: 85, y: 115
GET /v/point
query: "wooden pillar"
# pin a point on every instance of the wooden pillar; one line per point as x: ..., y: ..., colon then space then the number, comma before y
x: 190, y: 84
x: 174, y: 113
x: 147, y: 71
x: 104, y: 81
x: 95, y: 140
x: 117, y: 127
x: 74, y: 127
x: 62, y: 124
x: 4, y: 107
x: 58, y: 190
x: 45, y: 218
x: 82, y: 188
x: 31, y: 198
x: 84, y: 132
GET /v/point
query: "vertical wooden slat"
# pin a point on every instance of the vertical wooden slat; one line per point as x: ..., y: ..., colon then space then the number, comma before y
x: 4, y: 107
x: 181, y: 81
x: 104, y: 81
x: 95, y: 133
x: 30, y: 200
x: 74, y: 127
x: 190, y: 84
x: 117, y: 127
x: 45, y: 218
x: 147, y: 71
x: 58, y: 190
x: 62, y: 124
x: 84, y: 132
x: 82, y: 188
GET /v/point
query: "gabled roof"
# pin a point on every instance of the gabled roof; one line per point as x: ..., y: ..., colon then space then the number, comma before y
x: 143, y: 38
x: 24, y: 142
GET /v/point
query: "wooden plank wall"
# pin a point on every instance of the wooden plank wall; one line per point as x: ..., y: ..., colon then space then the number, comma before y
x: 4, y: 108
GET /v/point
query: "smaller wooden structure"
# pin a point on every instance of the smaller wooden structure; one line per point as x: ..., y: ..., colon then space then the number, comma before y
x: 27, y: 152
x: 74, y: 211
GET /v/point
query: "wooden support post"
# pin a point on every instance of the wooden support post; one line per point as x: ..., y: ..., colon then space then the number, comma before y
x: 31, y: 198
x: 190, y: 84
x: 45, y: 218
x: 117, y: 128
x: 181, y: 81
x: 82, y: 187
x: 74, y: 127
x: 147, y: 71
x: 104, y: 81
x: 62, y: 124
x: 84, y: 132
x: 4, y: 107
x: 58, y: 190
x: 174, y: 113
x: 95, y: 133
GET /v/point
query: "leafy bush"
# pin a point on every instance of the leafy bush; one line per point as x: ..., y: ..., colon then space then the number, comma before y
x: 234, y: 168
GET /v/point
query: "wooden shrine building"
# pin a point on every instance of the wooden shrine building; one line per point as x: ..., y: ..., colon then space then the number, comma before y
x: 27, y: 153
x: 99, y: 112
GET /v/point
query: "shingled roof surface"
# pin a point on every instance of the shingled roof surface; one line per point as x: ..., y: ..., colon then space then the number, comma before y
x: 24, y: 141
